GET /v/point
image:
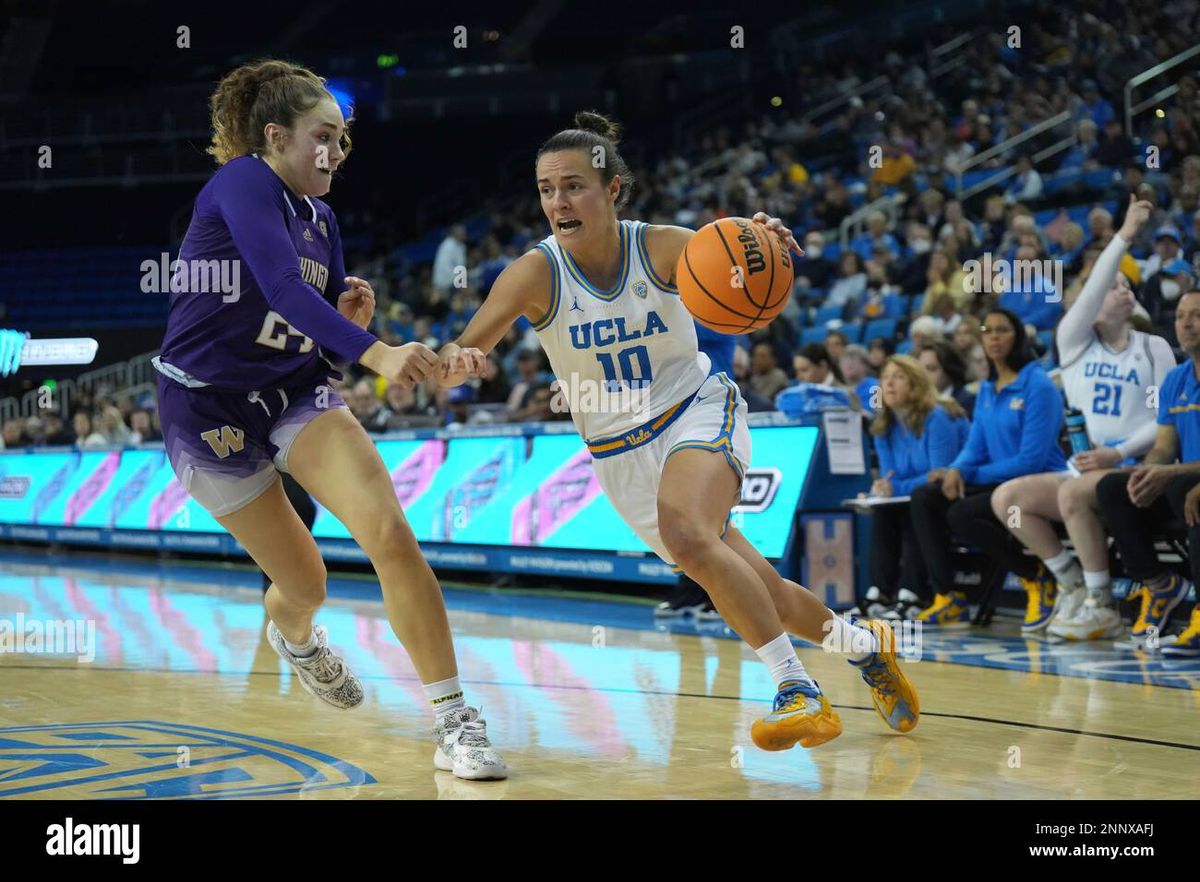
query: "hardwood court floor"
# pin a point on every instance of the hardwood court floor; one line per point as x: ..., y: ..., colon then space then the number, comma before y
x: 586, y: 699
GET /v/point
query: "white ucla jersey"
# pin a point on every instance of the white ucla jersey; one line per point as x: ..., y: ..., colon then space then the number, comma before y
x: 622, y: 356
x: 1110, y: 388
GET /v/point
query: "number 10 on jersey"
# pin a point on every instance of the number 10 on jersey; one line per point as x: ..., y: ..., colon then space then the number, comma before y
x: 631, y: 369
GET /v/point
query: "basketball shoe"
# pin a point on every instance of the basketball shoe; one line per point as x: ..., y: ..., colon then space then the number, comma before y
x: 801, y: 714
x: 463, y: 747
x: 891, y: 692
x: 322, y: 674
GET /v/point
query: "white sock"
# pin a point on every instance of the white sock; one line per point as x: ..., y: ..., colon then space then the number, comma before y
x: 1066, y: 570
x: 857, y: 644
x: 305, y: 649
x: 1099, y: 586
x: 780, y: 658
x: 445, y: 696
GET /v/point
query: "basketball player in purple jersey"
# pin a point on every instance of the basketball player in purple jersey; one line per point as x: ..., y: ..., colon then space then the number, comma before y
x: 245, y: 394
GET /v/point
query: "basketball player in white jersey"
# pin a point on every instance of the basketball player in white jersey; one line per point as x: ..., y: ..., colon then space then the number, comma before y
x: 1108, y: 372
x: 669, y: 443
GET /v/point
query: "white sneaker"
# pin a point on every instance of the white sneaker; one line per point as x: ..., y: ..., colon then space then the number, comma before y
x: 1092, y: 622
x: 323, y: 674
x: 1067, y: 603
x: 463, y: 747
x: 877, y: 604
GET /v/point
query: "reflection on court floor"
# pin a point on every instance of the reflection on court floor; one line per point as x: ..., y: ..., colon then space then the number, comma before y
x: 588, y: 698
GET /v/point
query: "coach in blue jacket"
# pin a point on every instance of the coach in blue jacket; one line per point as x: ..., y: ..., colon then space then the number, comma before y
x: 1017, y: 420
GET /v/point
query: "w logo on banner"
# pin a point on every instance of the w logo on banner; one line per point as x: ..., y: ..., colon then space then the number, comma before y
x: 225, y: 439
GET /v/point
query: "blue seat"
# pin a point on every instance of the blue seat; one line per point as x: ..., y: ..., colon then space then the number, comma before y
x: 828, y: 314
x: 815, y: 334
x: 853, y: 331
x: 884, y: 327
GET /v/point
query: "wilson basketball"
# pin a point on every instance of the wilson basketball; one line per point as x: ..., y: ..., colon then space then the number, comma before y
x: 734, y: 276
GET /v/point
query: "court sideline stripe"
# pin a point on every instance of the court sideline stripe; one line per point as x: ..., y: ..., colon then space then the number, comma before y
x: 612, y: 689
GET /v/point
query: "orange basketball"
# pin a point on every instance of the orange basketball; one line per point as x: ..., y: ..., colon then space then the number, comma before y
x: 734, y: 276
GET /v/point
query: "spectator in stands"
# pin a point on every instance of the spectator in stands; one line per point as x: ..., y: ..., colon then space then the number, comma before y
x: 13, y: 435
x: 450, y: 263
x: 1139, y: 504
x: 1115, y: 147
x: 914, y: 433
x: 755, y: 403
x: 858, y: 374
x: 1161, y: 293
x: 835, y: 345
x: 1091, y: 337
x: 142, y: 426
x: 1168, y: 245
x: 864, y: 243
x: 944, y: 277
x: 946, y: 314
x: 1094, y: 107
x: 850, y: 283
x: 1030, y: 294
x: 948, y: 372
x: 896, y: 165
x: 1100, y: 226
x: 879, y: 350
x: 957, y: 155
x: 1026, y: 184
x: 85, y: 435
x: 812, y: 364
x: 1018, y: 415
x: 766, y: 377
x: 1081, y: 157
x: 529, y: 375
x: 995, y: 225
x: 814, y: 270
x: 834, y: 206
x: 366, y: 406
x: 111, y: 425
x: 924, y: 331
x: 911, y: 273
x: 494, y: 387
x: 55, y: 431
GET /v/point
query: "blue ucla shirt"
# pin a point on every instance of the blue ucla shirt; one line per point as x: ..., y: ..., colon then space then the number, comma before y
x: 1179, y: 407
x: 1015, y: 431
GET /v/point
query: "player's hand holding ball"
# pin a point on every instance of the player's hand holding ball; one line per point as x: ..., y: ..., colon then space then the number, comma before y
x: 358, y: 303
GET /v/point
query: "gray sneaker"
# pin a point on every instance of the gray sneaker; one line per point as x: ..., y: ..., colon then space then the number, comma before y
x: 463, y: 747
x: 323, y: 674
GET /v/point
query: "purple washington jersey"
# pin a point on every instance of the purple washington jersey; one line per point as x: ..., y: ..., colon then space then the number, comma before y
x: 275, y: 329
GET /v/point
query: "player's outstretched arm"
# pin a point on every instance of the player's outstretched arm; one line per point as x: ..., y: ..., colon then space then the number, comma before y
x: 522, y: 289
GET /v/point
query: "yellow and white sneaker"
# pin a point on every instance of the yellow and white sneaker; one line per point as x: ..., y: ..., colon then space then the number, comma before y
x: 800, y: 715
x: 1093, y: 621
x: 893, y: 695
x: 1187, y: 644
x: 1040, y: 593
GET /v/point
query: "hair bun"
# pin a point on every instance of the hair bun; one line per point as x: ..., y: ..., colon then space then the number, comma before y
x: 589, y: 121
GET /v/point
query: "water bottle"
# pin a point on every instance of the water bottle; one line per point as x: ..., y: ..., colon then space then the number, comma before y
x: 1077, y: 431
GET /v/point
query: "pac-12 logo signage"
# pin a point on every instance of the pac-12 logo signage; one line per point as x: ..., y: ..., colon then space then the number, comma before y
x: 147, y: 759
x: 759, y: 489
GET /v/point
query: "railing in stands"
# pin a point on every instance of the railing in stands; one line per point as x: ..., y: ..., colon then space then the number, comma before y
x: 125, y: 377
x: 1005, y: 146
x: 950, y: 55
x: 1150, y: 73
x: 853, y: 223
x: 838, y: 102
